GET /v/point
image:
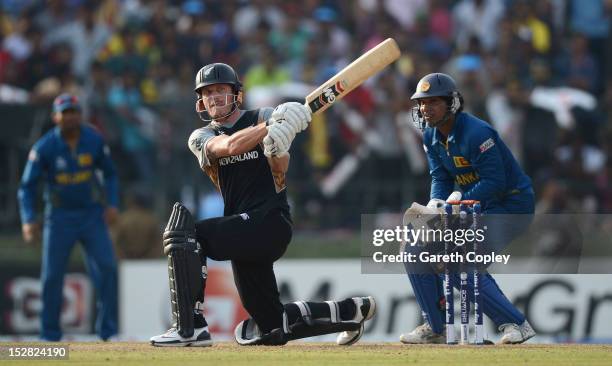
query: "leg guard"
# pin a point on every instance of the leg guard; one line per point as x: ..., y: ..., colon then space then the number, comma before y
x: 308, y: 325
x: 185, y: 270
x: 426, y: 288
x: 247, y: 332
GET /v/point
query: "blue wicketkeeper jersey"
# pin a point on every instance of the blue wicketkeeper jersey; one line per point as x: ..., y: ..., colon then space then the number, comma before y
x: 71, y: 178
x: 474, y: 157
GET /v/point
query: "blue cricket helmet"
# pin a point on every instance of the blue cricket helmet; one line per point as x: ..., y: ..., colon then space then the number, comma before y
x: 435, y: 85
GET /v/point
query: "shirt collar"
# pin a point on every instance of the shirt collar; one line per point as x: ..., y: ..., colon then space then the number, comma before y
x: 455, y: 132
x: 58, y: 134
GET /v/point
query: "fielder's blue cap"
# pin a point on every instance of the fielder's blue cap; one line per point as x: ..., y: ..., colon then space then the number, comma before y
x: 325, y: 14
x: 65, y: 101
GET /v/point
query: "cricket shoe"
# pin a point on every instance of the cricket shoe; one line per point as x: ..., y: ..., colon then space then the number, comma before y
x: 366, y: 308
x: 200, y: 338
x: 515, y: 334
x: 423, y: 334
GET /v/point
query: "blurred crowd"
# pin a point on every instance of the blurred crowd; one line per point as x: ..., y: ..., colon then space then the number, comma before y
x: 539, y: 71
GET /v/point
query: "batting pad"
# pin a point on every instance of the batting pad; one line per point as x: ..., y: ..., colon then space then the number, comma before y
x: 184, y: 268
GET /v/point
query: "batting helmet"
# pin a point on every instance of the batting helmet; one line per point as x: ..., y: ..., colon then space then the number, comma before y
x: 217, y: 73
x: 435, y: 85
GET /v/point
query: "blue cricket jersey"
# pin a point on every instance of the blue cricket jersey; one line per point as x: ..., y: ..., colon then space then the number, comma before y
x: 71, y: 177
x: 474, y: 157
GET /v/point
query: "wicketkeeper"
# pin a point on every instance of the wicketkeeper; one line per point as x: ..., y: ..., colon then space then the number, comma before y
x: 464, y: 150
x: 245, y: 154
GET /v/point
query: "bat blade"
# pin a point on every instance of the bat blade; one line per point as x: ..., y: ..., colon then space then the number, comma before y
x: 353, y: 75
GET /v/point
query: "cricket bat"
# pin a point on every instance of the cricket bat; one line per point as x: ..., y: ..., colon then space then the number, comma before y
x: 353, y: 75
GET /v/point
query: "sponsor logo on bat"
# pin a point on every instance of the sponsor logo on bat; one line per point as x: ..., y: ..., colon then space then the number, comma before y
x: 328, y: 95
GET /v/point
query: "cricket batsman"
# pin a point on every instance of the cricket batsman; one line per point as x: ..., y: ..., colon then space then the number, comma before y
x: 245, y: 154
x: 464, y: 150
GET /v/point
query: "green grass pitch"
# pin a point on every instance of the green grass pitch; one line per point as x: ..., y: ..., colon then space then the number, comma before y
x: 126, y: 353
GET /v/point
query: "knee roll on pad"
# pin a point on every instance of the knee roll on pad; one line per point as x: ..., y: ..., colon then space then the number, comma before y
x: 180, y: 230
x: 185, y: 270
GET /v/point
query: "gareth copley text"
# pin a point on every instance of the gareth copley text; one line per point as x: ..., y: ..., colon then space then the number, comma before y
x: 427, y: 257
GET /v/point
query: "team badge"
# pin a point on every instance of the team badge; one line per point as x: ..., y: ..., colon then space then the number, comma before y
x: 424, y: 86
x: 460, y: 162
x: 85, y: 159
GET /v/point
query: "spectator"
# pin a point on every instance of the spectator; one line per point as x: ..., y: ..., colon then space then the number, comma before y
x: 268, y: 72
x: 56, y: 15
x: 85, y: 36
x: 335, y: 39
x: 292, y: 37
x: 17, y: 42
x: 248, y: 17
x: 477, y: 18
x: 518, y: 62
x: 530, y: 27
x: 37, y: 67
x: 314, y: 68
x: 125, y: 99
x: 592, y: 19
x: 125, y: 57
x: 582, y: 70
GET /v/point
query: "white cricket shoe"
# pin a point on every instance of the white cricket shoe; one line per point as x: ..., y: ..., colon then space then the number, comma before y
x: 423, y: 334
x: 514, y: 333
x: 366, y: 308
x: 200, y: 338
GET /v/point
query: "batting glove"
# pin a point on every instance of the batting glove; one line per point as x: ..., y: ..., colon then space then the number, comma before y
x: 455, y: 196
x: 436, y: 203
x: 271, y: 149
x: 278, y: 140
x: 295, y: 114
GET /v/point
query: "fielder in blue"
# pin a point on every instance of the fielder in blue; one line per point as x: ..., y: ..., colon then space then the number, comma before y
x: 467, y: 152
x: 79, y: 201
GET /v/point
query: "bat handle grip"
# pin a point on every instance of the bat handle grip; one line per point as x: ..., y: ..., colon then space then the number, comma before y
x: 308, y: 106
